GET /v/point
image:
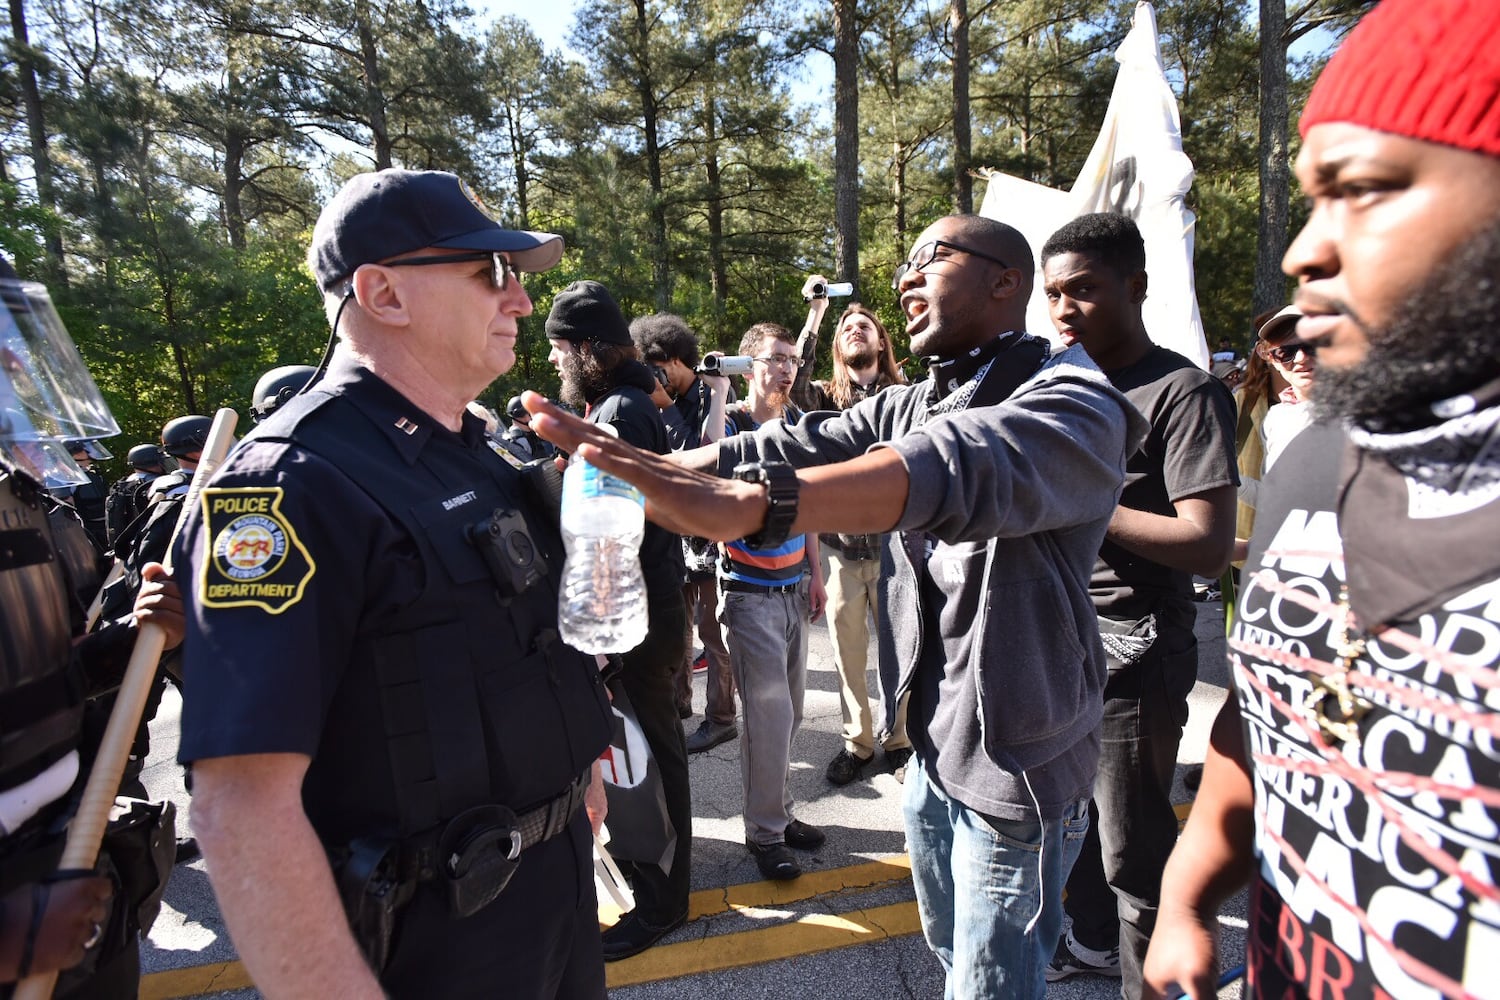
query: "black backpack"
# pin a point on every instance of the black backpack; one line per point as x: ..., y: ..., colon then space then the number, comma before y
x: 126, y: 500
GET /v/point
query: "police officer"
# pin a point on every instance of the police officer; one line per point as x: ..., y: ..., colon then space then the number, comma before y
x: 519, y: 438
x: 382, y: 723
x: 50, y: 920
x: 127, y: 497
x: 89, y: 498
x: 147, y: 537
x: 277, y: 386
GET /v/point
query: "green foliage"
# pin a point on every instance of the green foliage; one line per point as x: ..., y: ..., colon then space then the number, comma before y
x: 193, y: 143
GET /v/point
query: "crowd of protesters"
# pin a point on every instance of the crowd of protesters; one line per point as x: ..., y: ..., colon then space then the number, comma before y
x: 395, y: 759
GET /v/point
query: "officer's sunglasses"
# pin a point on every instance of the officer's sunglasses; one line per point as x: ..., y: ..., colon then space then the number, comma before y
x: 502, y: 271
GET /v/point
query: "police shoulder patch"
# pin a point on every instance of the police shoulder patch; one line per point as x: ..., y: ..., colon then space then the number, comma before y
x: 255, y: 558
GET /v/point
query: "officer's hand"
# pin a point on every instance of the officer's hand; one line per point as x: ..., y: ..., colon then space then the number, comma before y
x: 595, y: 802
x: 74, y: 911
x: 160, y: 603
x: 690, y: 503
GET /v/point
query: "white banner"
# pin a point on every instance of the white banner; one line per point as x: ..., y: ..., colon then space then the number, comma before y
x: 1137, y: 167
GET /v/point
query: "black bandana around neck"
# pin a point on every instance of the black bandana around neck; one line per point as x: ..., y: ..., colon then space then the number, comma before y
x: 955, y: 380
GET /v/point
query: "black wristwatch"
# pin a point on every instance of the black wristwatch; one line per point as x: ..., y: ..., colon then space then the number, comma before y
x: 782, y: 489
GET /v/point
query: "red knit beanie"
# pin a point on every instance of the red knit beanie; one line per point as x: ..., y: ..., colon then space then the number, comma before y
x: 1425, y: 69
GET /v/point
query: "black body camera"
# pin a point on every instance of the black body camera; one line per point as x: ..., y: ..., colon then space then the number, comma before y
x: 505, y: 544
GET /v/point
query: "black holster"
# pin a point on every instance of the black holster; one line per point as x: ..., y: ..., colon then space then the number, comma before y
x: 478, y: 851
x: 369, y: 882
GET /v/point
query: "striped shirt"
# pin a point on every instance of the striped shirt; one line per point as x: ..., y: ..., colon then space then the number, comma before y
x: 774, y: 567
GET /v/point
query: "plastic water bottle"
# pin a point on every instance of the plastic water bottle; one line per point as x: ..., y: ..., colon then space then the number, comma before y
x: 602, y: 607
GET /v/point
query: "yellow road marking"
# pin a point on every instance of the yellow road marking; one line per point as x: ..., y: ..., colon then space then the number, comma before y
x: 762, y: 895
x: 192, y: 980
x: 808, y: 935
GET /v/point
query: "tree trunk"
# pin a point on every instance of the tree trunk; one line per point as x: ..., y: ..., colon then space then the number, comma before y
x: 518, y: 166
x: 661, y: 269
x: 846, y: 142
x: 31, y: 97
x: 718, y: 275
x: 963, y: 184
x: 369, y: 53
x: 1275, y: 170
x: 234, y: 184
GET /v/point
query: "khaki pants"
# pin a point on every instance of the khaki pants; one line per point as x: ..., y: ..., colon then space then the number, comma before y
x: 853, y: 598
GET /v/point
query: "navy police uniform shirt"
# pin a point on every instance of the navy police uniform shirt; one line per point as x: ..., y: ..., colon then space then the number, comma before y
x: 292, y: 573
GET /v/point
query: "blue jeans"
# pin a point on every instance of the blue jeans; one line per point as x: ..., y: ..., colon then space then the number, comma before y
x: 980, y: 883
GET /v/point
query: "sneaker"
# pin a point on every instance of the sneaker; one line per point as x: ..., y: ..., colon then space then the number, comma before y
x: 803, y: 836
x: 1071, y: 958
x: 700, y: 664
x: 775, y: 861
x: 710, y: 734
x: 898, y: 759
x: 846, y: 767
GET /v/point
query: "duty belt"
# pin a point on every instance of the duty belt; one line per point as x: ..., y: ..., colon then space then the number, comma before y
x: 423, y: 856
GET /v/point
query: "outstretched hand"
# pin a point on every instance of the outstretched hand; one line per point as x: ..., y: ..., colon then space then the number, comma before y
x: 687, y: 502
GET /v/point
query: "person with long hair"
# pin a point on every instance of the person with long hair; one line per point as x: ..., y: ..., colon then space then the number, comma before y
x: 1272, y: 406
x: 864, y: 362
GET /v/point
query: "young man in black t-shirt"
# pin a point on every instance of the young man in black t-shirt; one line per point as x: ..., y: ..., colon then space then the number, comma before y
x: 1175, y: 519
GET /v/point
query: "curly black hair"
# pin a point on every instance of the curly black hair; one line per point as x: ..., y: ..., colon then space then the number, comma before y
x: 663, y: 336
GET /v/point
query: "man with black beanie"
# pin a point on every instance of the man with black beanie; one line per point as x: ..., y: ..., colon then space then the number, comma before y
x: 600, y: 370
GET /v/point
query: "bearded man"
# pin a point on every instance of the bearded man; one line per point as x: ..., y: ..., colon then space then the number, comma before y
x: 1354, y: 778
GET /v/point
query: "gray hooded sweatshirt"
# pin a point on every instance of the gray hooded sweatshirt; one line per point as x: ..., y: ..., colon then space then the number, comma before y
x: 1006, y: 508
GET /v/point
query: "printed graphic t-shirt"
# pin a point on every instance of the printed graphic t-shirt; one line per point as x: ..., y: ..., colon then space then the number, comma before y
x: 1377, y: 855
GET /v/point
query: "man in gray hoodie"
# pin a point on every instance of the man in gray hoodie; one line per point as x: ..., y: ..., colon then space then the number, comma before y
x: 1000, y: 472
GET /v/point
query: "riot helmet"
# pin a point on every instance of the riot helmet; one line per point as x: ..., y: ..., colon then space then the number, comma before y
x: 46, y: 393
x: 515, y: 410
x: 183, y: 436
x: 146, y: 457
x: 276, y: 387
x: 93, y: 449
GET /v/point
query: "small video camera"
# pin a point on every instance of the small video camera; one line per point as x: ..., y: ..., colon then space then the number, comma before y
x: 718, y: 364
x: 510, y: 555
x: 831, y: 290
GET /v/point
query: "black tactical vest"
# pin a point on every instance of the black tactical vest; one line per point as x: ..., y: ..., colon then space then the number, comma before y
x: 41, y: 699
x: 481, y: 702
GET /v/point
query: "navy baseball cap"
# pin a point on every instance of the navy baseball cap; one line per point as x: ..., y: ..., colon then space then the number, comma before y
x: 380, y: 215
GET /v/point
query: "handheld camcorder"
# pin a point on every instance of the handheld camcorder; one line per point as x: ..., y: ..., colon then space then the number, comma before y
x: 831, y: 290
x: 718, y: 364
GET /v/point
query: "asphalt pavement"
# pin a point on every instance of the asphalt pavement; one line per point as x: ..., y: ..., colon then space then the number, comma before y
x: 848, y: 928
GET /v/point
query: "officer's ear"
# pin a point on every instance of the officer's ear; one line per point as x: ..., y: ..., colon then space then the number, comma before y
x: 379, y: 293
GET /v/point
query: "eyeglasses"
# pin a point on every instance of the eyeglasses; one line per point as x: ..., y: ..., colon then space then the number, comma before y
x: 502, y: 271
x: 1285, y: 354
x: 781, y: 361
x: 927, y: 253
